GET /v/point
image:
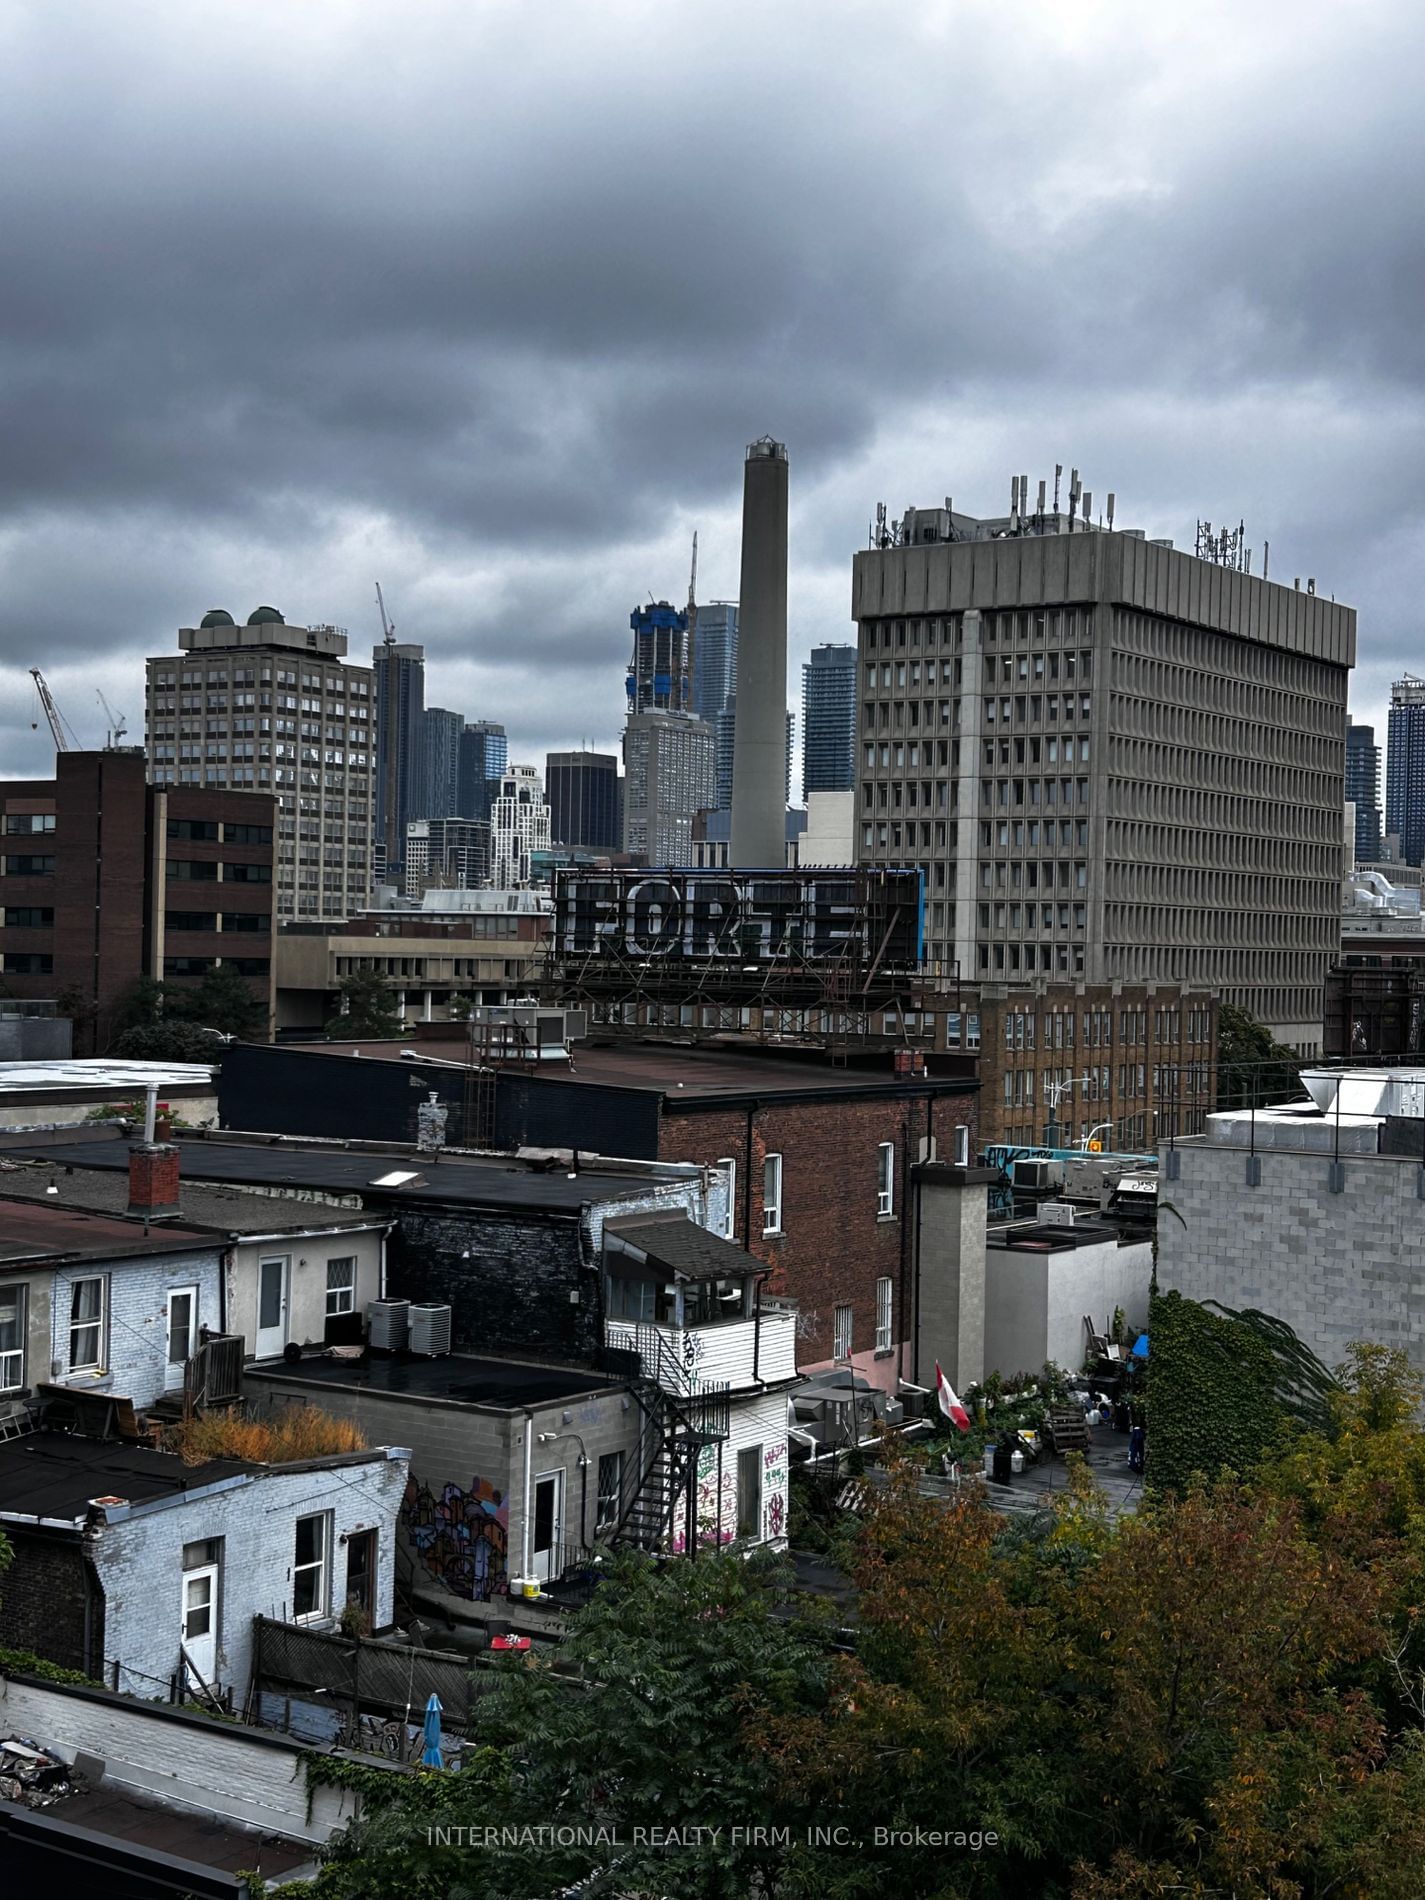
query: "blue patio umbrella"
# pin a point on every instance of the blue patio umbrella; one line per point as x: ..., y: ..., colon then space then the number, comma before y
x: 1140, y: 1347
x: 431, y: 1757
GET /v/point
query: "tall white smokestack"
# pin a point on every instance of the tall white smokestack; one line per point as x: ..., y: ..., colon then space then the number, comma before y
x: 759, y: 756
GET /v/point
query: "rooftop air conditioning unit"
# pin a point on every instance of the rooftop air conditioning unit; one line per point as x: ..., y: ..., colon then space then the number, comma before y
x: 389, y: 1323
x: 430, y: 1330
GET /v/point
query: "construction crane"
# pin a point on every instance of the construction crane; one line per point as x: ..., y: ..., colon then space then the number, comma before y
x: 692, y: 619
x: 388, y: 736
x: 60, y: 730
x: 118, y: 725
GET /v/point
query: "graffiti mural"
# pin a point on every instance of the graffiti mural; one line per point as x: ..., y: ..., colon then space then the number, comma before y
x: 462, y: 1537
x: 717, y: 1510
x: 774, y: 1488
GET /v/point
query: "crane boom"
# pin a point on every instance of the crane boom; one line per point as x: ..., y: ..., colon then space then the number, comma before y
x: 62, y: 740
x: 388, y: 631
x: 118, y: 725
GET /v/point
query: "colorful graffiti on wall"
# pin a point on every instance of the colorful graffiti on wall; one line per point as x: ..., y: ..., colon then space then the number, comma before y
x: 462, y: 1537
x: 774, y: 1489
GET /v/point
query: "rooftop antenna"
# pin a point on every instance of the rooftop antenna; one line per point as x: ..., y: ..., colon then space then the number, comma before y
x: 1073, y: 496
x: 1088, y: 505
x: 1040, y: 509
x: 1111, y: 499
x: 1266, y: 557
x: 1058, y: 471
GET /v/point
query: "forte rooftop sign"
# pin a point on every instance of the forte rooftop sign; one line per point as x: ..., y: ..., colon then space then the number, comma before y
x: 743, y: 917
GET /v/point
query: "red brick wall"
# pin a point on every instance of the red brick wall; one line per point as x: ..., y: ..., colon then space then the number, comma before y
x: 833, y: 1247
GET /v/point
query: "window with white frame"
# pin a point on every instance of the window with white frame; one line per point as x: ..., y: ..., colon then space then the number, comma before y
x: 87, y: 1303
x: 886, y: 1178
x: 841, y: 1333
x: 883, y: 1315
x: 962, y: 1145
x: 772, y: 1195
x: 341, y: 1285
x: 310, y: 1566
x: 12, y: 1337
x: 729, y: 1226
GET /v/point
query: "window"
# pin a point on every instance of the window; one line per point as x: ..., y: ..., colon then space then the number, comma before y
x: 247, y: 834
x: 885, y: 1179
x: 772, y: 1195
x: 29, y: 962
x: 610, y: 1498
x: 25, y: 824
x: 729, y: 1226
x: 309, y: 1566
x: 247, y: 873
x: 193, y: 870
x: 749, y: 1491
x: 29, y: 864
x: 86, y: 1324
x: 182, y: 1324
x: 190, y: 920
x: 841, y: 1333
x: 341, y: 1285
x: 29, y: 917
x: 883, y: 1315
x: 12, y: 1338
x: 962, y: 1145
x: 204, y: 829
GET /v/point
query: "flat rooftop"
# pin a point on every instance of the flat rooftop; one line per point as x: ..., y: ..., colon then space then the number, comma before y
x: 51, y: 1474
x: 47, y: 1229
x: 458, y: 1380
x: 84, y: 1077
x: 196, y: 1838
x: 497, y: 1181
x: 676, y: 1070
x: 226, y: 1210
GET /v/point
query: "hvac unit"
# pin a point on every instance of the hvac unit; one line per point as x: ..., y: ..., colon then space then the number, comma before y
x: 389, y: 1322
x: 430, y: 1330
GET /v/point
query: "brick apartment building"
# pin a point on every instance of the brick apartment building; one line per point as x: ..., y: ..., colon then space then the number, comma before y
x: 820, y: 1156
x: 1125, y: 1064
x: 105, y: 878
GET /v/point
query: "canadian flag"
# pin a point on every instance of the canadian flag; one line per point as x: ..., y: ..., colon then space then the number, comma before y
x: 949, y: 1404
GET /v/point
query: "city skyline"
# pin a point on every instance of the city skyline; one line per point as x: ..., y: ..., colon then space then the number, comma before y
x: 194, y: 422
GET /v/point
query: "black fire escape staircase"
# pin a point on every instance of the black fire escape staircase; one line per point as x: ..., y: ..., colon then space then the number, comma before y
x: 682, y: 1415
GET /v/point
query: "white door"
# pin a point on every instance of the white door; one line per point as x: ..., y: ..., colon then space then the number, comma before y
x: 182, y: 1333
x: 548, y: 1535
x: 271, y: 1308
x: 200, y: 1620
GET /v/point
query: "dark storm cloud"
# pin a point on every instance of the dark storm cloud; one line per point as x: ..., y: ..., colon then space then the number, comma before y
x: 490, y: 308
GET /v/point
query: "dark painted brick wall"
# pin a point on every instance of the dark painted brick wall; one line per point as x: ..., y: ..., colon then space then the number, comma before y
x: 42, y: 1602
x: 512, y: 1294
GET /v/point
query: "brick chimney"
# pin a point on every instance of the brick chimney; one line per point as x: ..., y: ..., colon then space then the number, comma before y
x: 153, y: 1179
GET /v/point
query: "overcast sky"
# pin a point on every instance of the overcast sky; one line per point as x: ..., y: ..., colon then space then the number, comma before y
x: 485, y: 301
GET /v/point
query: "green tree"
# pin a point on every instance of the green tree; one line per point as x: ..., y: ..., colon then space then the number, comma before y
x: 1253, y: 1068
x: 168, y: 1042
x: 366, y: 1007
x: 141, y: 1006
x: 221, y: 999
x: 650, y: 1723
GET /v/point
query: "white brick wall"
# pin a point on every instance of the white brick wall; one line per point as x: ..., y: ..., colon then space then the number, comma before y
x: 206, y: 1768
x: 139, y: 1559
x: 137, y: 1328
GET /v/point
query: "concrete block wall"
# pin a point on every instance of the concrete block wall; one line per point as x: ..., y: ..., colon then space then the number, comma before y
x: 243, y: 1777
x: 138, y: 1555
x: 51, y: 1603
x: 136, y: 1347
x: 1035, y: 1303
x: 1336, y: 1267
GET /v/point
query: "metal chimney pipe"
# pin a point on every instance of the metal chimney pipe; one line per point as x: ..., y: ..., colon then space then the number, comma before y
x: 759, y: 751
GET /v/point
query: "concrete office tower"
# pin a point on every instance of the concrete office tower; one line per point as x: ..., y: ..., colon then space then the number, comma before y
x: 446, y: 854
x: 759, y: 772
x: 1111, y: 761
x: 829, y: 720
x: 484, y: 755
x: 440, y: 795
x: 714, y: 658
x: 519, y: 825
x: 271, y: 708
x: 1363, y: 790
x: 1405, y: 768
x: 669, y: 777
x: 399, y: 671
x: 585, y: 802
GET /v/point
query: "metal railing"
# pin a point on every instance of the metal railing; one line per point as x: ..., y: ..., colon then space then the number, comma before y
x: 213, y: 1376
